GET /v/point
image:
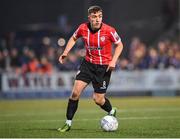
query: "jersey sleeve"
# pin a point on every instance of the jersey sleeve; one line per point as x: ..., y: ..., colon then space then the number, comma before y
x: 114, y: 36
x: 78, y: 33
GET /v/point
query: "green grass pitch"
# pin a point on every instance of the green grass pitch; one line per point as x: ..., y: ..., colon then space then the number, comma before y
x: 138, y: 117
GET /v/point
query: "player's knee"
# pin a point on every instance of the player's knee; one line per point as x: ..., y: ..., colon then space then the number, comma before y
x: 75, y: 94
x: 98, y: 100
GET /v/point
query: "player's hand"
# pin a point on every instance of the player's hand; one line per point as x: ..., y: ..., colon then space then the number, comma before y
x: 62, y: 57
x: 111, y: 66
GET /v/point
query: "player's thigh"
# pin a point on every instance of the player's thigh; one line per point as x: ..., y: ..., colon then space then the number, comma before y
x: 100, y: 83
x: 78, y: 87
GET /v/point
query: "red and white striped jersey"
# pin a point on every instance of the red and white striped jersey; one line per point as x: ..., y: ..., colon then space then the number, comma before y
x: 98, y: 44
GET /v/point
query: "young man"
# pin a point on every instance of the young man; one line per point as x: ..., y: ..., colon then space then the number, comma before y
x: 97, y: 65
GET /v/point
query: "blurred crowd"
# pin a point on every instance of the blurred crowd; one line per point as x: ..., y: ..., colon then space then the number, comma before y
x: 40, y: 55
x: 163, y: 55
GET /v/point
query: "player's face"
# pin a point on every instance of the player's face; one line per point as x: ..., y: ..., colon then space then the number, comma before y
x: 95, y: 20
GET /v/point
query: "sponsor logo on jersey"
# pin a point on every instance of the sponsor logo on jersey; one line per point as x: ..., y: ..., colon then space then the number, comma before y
x: 94, y: 48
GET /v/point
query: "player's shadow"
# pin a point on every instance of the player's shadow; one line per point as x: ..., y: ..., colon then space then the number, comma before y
x: 79, y: 129
x: 40, y: 129
x: 88, y: 130
x: 55, y: 129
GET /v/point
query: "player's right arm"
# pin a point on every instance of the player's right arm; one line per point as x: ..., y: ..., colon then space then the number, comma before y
x: 77, y: 34
x: 69, y: 46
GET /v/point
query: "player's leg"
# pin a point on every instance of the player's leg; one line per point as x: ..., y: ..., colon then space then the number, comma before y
x: 104, y: 103
x: 83, y: 78
x: 78, y: 87
x: 100, y: 84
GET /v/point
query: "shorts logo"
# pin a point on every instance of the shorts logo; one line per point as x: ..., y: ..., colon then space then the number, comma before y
x: 102, y: 38
x: 104, y: 85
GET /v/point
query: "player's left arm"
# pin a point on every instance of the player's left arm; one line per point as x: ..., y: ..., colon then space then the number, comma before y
x: 117, y: 53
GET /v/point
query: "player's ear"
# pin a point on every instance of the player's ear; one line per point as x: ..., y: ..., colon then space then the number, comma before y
x: 89, y: 17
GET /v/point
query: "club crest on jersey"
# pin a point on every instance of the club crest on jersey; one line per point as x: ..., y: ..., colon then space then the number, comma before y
x: 102, y: 38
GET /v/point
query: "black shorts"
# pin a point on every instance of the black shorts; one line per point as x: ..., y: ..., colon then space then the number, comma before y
x: 96, y: 74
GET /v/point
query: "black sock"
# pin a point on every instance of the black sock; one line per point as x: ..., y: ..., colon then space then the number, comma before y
x: 107, y: 105
x: 71, y: 109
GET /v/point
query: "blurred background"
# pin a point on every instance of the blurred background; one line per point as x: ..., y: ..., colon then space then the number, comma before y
x: 34, y: 33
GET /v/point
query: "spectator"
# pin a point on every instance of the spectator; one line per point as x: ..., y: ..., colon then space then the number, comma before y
x: 124, y: 64
x: 2, y: 62
x: 140, y: 60
x: 15, y: 63
x: 73, y: 62
x: 44, y: 67
x: 163, y: 58
x: 25, y: 56
x: 153, y: 58
x: 32, y: 65
x: 176, y: 60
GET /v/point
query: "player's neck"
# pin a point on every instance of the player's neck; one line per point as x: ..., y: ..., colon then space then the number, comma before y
x: 94, y: 30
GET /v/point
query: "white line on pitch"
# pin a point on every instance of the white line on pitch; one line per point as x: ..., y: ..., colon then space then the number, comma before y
x: 85, y: 119
x: 82, y: 111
